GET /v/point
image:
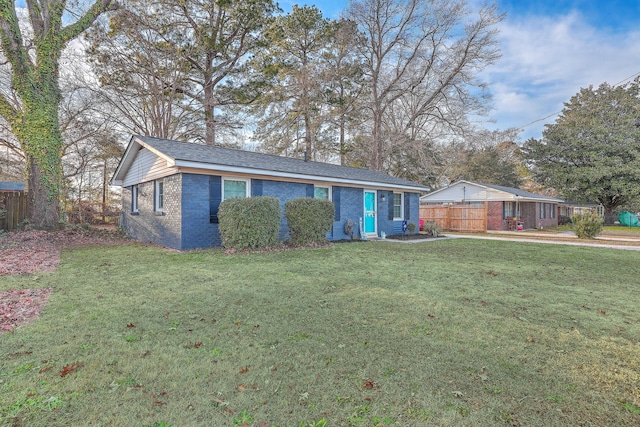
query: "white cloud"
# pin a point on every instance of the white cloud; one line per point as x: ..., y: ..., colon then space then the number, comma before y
x: 547, y: 60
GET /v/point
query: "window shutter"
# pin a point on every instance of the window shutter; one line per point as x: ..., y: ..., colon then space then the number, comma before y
x: 407, y: 206
x: 390, y: 198
x: 215, y: 197
x: 256, y: 187
x: 336, y: 202
x: 310, y: 190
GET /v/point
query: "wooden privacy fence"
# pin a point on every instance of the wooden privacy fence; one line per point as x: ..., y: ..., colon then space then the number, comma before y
x: 13, y: 209
x: 470, y: 218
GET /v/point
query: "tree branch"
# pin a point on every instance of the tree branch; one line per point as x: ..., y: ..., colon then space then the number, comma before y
x: 72, y: 31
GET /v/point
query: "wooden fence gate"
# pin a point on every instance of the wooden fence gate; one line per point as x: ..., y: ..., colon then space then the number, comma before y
x: 13, y: 209
x: 469, y: 218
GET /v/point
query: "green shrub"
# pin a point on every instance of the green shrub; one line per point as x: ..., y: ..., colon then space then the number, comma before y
x: 252, y: 223
x: 587, y: 225
x: 411, y: 227
x: 309, y: 219
x: 432, y: 228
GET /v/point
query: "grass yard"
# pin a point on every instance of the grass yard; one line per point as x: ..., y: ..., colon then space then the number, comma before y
x: 452, y: 332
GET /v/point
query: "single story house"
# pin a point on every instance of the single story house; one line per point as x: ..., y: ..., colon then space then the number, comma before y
x: 570, y: 208
x: 505, y: 208
x: 172, y: 191
x: 11, y: 186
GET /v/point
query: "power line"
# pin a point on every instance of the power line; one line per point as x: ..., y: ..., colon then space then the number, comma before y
x: 558, y: 112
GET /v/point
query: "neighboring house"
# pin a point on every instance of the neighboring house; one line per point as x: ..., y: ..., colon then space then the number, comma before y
x: 9, y: 186
x: 504, y: 207
x: 568, y: 209
x: 172, y: 191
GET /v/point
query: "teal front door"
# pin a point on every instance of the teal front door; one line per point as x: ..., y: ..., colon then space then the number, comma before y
x: 370, y: 215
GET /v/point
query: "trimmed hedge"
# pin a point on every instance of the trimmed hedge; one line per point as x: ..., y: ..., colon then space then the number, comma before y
x: 309, y: 219
x: 252, y: 223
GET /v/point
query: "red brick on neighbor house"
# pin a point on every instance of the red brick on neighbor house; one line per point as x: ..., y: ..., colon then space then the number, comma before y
x: 549, y: 210
x: 494, y: 216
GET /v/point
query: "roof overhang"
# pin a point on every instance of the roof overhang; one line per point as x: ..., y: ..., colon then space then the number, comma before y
x: 499, y: 195
x: 271, y: 173
x: 135, y: 144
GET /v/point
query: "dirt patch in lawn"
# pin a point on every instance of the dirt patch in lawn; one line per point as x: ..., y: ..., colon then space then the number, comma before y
x: 21, y: 306
x: 38, y: 251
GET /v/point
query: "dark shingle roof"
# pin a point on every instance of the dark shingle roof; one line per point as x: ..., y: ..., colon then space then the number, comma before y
x: 205, y: 154
x: 11, y: 186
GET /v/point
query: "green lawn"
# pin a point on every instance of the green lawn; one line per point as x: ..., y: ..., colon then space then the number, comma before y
x: 451, y: 332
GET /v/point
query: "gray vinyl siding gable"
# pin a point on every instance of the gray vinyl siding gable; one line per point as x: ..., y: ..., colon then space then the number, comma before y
x: 147, y: 166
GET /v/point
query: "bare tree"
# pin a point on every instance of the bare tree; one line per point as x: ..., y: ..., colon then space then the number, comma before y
x: 33, y: 59
x: 428, y: 50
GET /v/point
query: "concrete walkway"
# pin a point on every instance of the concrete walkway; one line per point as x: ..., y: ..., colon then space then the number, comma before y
x: 609, y: 242
x: 547, y: 238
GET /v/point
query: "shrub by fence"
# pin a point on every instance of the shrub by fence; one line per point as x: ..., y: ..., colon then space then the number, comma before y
x: 13, y: 209
x: 252, y: 223
x: 309, y: 219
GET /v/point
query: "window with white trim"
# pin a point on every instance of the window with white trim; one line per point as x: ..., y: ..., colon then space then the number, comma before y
x: 543, y: 210
x: 134, y: 198
x: 322, y: 192
x: 552, y: 211
x: 398, y: 206
x: 235, y: 188
x: 508, y: 209
x: 158, y: 202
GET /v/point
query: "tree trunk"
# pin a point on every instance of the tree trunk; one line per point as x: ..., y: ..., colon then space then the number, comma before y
x: 209, y: 105
x: 43, y: 207
x: 41, y: 140
x: 609, y: 216
x: 376, y: 137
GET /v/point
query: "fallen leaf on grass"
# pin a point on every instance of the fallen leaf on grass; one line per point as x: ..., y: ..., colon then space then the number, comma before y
x: 368, y: 384
x: 45, y: 369
x: 492, y: 273
x: 602, y: 312
x: 241, y: 387
x: 197, y: 345
x: 244, y: 370
x: 131, y: 325
x: 70, y: 368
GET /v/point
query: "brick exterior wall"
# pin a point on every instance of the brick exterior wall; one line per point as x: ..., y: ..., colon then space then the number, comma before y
x: 185, y: 221
x: 284, y: 191
x: 494, y: 216
x: 197, y: 230
x: 351, y: 208
x: 547, y: 221
x: 529, y: 214
x: 160, y: 228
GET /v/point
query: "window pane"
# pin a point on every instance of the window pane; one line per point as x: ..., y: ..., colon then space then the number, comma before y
x: 159, y: 195
x: 235, y: 189
x: 321, y: 193
x: 397, y: 205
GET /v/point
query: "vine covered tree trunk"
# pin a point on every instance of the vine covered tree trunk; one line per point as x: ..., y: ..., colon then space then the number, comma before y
x: 34, y: 74
x: 41, y: 140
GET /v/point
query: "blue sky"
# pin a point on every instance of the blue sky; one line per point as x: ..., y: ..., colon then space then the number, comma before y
x: 550, y: 49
